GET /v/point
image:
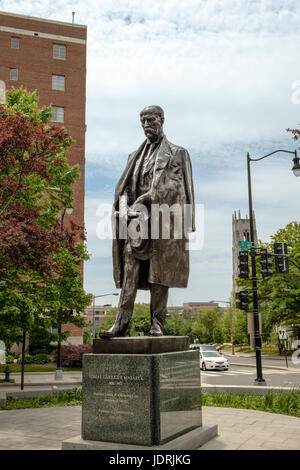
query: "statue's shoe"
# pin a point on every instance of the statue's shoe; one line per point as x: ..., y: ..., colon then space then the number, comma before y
x: 113, y: 332
x: 155, y: 330
x: 106, y: 334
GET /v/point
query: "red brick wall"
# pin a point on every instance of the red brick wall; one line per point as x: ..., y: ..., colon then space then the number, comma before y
x: 35, y: 63
x: 75, y: 331
x: 34, y: 60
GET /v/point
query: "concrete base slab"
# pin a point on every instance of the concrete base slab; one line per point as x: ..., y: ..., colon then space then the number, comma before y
x: 141, y: 345
x: 191, y: 440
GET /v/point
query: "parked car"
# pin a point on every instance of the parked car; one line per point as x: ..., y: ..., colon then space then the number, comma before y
x: 213, y: 360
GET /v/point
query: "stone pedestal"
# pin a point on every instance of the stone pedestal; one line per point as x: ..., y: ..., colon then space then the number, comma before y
x: 141, y: 400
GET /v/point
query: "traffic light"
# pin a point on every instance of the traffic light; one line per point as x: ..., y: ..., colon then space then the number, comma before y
x: 266, y: 263
x: 243, y: 265
x: 243, y: 300
x: 281, y: 258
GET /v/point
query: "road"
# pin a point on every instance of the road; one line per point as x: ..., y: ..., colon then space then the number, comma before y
x: 239, y: 375
x: 275, y: 374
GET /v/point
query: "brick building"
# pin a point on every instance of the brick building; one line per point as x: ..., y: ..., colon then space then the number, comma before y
x: 94, y: 316
x: 50, y: 57
x: 194, y: 306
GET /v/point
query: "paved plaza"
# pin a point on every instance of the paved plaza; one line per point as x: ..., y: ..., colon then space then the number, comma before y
x: 46, y: 428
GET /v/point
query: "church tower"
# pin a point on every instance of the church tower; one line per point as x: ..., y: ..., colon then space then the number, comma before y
x: 240, y: 232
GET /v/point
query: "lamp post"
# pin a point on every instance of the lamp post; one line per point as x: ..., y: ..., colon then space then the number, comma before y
x: 257, y: 337
x: 58, y: 372
x: 231, y: 327
x: 96, y: 297
x: 7, y: 369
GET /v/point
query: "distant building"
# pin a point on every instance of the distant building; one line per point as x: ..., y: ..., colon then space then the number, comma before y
x: 50, y: 57
x: 194, y: 306
x: 94, y: 316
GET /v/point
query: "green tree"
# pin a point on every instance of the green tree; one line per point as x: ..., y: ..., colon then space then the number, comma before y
x: 141, y: 320
x: 40, y: 339
x: 174, y: 325
x: 87, y: 338
x: 279, y: 294
x: 208, y: 324
x: 225, y: 325
x: 240, y: 326
x: 39, y: 263
x: 62, y: 297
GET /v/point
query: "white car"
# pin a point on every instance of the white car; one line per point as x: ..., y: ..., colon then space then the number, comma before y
x: 213, y: 360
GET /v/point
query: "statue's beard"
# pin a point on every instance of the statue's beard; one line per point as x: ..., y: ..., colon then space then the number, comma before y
x: 152, y: 134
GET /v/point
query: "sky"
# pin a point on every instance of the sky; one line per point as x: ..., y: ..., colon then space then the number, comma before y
x: 227, y: 75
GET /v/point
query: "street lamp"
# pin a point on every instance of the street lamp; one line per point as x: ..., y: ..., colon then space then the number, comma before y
x: 258, y: 343
x: 95, y: 297
x: 58, y: 372
x: 296, y: 167
x: 231, y: 327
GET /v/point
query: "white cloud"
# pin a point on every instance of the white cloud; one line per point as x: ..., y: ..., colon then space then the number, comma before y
x: 224, y: 74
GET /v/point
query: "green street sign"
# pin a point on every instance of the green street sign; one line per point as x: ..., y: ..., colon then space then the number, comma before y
x: 245, y: 246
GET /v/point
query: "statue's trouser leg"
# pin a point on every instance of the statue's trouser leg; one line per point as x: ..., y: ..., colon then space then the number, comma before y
x: 128, y: 293
x: 158, y: 308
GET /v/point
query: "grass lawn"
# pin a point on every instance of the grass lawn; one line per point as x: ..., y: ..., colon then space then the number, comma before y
x: 287, y: 403
x: 67, y: 398
x: 284, y: 402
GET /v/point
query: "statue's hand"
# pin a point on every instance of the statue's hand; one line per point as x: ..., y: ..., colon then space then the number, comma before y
x: 145, y: 197
x: 131, y: 214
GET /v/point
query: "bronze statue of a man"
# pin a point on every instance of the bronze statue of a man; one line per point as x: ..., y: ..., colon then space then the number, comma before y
x: 158, y: 175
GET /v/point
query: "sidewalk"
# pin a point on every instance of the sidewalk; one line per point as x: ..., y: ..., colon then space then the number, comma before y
x: 41, y: 379
x: 46, y: 428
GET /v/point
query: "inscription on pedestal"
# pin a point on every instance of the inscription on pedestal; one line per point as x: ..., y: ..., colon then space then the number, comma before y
x: 116, y: 406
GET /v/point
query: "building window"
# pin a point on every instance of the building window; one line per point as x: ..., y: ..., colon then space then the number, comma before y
x: 59, y: 51
x: 13, y: 74
x: 15, y: 43
x: 58, y: 114
x: 58, y: 82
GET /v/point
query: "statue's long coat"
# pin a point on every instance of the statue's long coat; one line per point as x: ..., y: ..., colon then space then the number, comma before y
x: 172, y: 183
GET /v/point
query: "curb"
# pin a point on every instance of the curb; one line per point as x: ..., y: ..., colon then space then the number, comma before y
x: 47, y: 372
x: 291, y: 369
x: 41, y: 384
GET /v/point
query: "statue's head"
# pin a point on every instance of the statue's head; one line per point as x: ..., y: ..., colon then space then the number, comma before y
x: 152, y: 119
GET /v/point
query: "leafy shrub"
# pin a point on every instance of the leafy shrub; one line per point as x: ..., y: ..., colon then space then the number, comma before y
x: 13, y: 354
x: 41, y: 359
x: 28, y: 359
x: 9, y: 359
x: 71, y: 356
x: 37, y: 359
